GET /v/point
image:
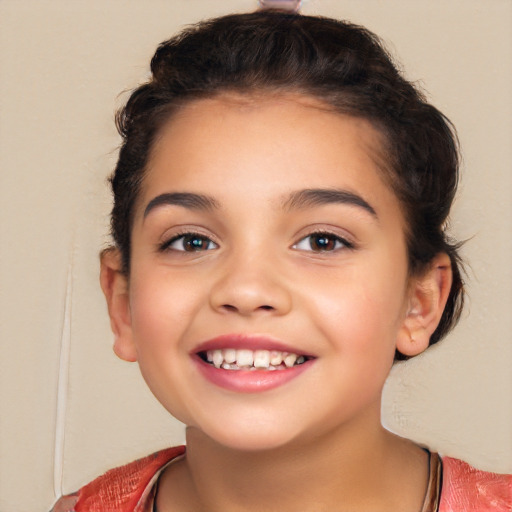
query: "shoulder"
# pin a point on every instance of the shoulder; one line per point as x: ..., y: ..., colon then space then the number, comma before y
x: 466, y: 489
x: 119, y: 489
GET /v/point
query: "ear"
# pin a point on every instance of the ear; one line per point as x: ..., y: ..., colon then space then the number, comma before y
x: 114, y: 284
x: 428, y: 294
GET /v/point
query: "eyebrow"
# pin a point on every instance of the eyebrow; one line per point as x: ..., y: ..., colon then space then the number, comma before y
x: 184, y: 199
x: 319, y: 196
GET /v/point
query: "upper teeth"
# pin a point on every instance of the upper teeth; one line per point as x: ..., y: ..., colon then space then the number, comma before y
x: 231, y: 359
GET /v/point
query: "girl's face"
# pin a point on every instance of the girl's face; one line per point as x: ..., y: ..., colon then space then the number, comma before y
x: 264, y: 229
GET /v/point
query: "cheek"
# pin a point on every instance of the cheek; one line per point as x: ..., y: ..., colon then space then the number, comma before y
x: 161, y: 310
x: 360, y: 312
x: 161, y: 307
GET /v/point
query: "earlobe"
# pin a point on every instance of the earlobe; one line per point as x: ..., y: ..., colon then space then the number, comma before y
x: 114, y: 284
x: 427, y: 300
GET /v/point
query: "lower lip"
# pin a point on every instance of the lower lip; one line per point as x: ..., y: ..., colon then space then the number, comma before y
x: 250, y: 381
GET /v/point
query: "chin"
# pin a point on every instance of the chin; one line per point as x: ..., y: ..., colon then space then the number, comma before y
x: 251, y: 438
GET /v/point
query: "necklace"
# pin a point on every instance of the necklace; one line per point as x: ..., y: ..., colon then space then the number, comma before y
x: 433, y: 494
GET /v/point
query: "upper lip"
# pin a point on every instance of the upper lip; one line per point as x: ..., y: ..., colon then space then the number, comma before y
x: 250, y: 342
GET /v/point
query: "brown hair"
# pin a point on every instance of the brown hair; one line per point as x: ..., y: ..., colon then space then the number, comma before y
x: 343, y: 65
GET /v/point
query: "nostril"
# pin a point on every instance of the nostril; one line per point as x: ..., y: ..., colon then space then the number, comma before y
x: 230, y: 307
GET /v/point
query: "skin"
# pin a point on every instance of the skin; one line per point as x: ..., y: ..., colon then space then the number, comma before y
x: 318, y: 437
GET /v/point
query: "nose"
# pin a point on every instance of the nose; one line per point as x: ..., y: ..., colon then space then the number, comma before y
x: 250, y: 285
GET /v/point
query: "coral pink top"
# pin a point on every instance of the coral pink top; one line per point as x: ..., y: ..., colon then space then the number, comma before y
x: 131, y: 488
x: 466, y: 489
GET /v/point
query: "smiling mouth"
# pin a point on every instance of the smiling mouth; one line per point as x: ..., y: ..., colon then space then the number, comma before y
x: 251, y: 360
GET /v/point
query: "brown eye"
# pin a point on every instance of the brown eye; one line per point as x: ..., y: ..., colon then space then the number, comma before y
x: 321, y: 242
x: 191, y: 242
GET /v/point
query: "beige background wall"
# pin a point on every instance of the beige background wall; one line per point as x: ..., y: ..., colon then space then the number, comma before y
x: 62, y: 64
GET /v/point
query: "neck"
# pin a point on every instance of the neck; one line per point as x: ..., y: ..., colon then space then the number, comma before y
x: 355, y: 465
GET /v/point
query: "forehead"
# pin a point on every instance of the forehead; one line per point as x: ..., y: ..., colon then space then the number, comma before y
x: 267, y: 144
x: 272, y: 109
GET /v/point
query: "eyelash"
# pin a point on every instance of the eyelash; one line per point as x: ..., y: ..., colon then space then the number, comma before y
x: 339, y: 242
x: 167, y: 246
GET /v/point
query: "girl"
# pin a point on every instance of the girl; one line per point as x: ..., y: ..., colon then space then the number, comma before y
x: 280, y: 203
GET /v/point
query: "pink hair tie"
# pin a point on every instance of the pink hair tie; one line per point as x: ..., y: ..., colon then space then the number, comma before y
x: 287, y: 5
